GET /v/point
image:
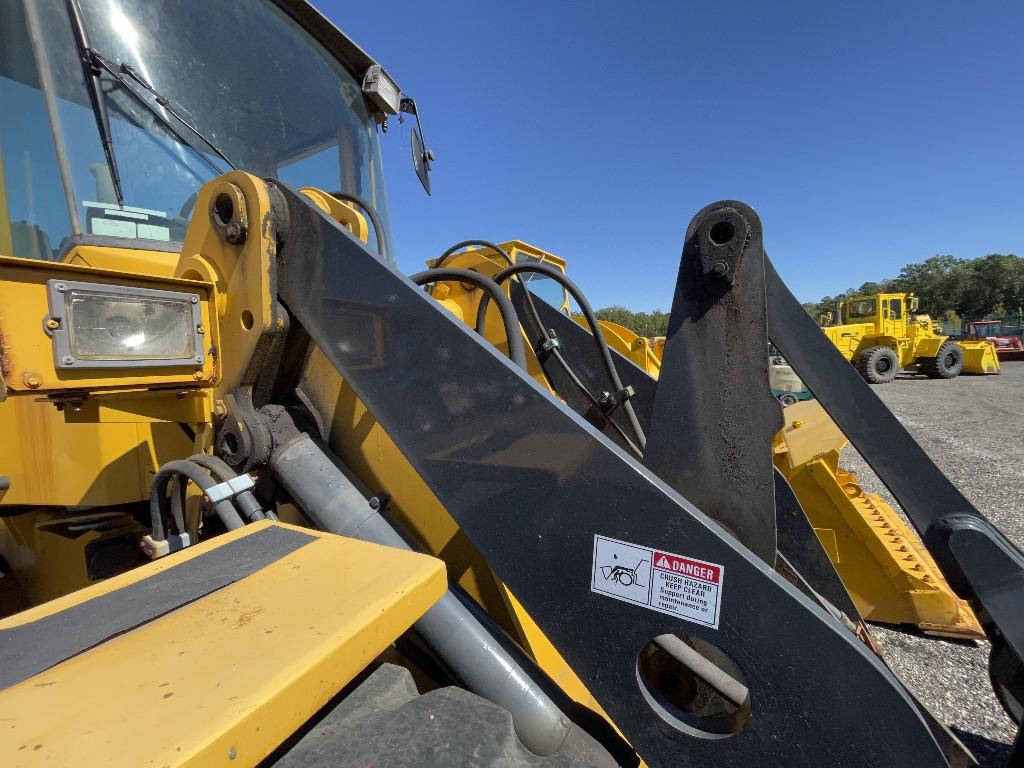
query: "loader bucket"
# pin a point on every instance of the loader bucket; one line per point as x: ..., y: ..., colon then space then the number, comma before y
x: 885, y: 567
x: 979, y: 357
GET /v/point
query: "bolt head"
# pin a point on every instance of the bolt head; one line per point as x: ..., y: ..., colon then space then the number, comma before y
x: 61, y: 287
x: 53, y: 324
x: 194, y: 299
x: 68, y: 360
x: 33, y: 381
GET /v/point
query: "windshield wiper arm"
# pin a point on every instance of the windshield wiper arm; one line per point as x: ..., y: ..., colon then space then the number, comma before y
x: 119, y: 73
x: 99, y: 106
x: 164, y: 102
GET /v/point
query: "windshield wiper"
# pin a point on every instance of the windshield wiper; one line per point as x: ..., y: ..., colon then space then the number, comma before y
x: 164, y: 102
x: 119, y: 73
x: 99, y: 106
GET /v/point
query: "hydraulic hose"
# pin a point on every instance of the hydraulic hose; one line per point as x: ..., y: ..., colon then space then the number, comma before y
x: 591, y: 318
x: 464, y: 646
x: 516, y: 348
x: 246, y: 500
x: 376, y: 223
x: 184, y: 469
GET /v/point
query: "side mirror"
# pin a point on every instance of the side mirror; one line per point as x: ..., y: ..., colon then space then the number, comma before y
x: 422, y: 157
x: 914, y: 304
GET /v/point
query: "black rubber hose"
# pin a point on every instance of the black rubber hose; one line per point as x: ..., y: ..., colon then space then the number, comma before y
x: 535, y: 316
x: 246, y: 500
x: 485, y: 243
x: 516, y: 348
x: 378, y: 225
x: 588, y: 313
x: 158, y: 502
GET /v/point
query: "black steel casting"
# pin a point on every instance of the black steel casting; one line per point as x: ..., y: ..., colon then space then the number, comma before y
x: 714, y: 415
x: 531, y: 483
x: 796, y: 539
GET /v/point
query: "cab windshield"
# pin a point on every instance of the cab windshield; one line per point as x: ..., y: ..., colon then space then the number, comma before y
x: 859, y: 309
x: 245, y: 75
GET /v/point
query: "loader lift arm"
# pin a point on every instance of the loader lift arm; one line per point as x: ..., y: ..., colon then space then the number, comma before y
x: 532, y: 484
x: 704, y: 365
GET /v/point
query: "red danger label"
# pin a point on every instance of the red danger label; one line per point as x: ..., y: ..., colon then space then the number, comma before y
x: 673, y: 584
x: 684, y: 566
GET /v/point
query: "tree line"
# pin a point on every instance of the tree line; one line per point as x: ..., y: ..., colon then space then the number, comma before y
x: 950, y: 288
x: 641, y: 323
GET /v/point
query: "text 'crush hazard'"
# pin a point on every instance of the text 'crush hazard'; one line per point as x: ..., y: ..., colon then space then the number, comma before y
x: 661, y: 581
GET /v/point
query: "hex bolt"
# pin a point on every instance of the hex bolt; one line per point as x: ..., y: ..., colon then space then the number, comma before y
x: 197, y: 375
x: 33, y: 380
x: 67, y: 360
x: 200, y: 330
x: 194, y: 299
x: 53, y: 324
x: 61, y: 287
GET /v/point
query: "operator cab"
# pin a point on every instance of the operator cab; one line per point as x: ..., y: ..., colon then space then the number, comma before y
x: 112, y: 151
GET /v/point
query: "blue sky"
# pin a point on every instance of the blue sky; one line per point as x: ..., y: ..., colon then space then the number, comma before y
x: 866, y: 135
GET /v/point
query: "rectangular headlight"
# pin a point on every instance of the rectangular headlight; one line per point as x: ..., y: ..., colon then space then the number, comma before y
x: 117, y: 326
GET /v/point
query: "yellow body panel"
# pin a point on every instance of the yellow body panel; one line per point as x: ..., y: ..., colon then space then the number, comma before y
x: 638, y: 350
x: 125, y: 260
x: 48, y: 549
x: 104, y: 453
x: 885, y: 567
x: 227, y: 678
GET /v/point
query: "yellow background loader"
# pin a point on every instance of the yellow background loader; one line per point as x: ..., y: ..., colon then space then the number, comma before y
x: 883, y: 334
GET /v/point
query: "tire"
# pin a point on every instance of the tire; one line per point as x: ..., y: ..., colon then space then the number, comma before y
x: 386, y: 722
x: 788, y: 398
x: 947, y: 363
x: 878, y: 365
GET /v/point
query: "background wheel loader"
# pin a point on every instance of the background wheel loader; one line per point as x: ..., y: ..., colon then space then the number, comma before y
x: 267, y: 501
x: 882, y: 335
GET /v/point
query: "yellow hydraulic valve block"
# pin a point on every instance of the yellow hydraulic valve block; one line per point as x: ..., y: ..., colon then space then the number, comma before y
x: 885, y: 567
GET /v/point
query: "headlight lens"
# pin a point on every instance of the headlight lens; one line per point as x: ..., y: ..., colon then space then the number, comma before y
x: 120, y: 326
x: 104, y: 327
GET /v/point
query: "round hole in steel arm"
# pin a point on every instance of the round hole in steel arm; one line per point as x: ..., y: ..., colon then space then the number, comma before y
x: 694, y: 686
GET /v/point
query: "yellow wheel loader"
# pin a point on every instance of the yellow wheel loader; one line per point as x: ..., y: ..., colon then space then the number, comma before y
x: 267, y: 501
x: 881, y: 334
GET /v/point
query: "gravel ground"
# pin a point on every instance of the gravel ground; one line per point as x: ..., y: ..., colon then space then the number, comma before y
x: 973, y: 429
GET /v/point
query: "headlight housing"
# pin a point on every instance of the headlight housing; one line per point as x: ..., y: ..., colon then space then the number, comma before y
x: 118, y: 326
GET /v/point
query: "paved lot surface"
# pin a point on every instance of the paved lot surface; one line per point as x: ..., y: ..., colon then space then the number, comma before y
x: 973, y: 428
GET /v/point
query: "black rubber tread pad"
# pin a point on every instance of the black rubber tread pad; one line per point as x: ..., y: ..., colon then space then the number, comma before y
x: 386, y: 723
x: 28, y: 649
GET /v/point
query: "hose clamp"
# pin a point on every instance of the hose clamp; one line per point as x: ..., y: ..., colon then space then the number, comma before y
x: 229, y: 488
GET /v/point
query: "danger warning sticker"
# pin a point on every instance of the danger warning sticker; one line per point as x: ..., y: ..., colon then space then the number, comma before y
x: 661, y: 581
